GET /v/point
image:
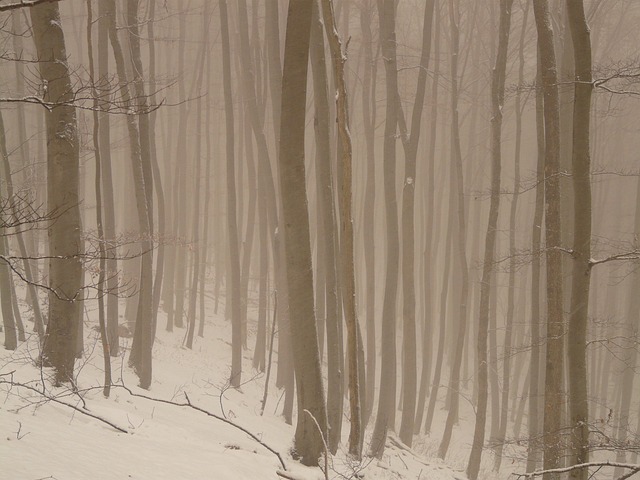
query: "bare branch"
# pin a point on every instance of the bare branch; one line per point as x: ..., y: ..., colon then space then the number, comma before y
x: 23, y: 4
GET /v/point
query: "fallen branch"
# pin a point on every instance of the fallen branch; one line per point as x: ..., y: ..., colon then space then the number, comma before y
x: 210, y: 414
x: 633, y: 469
x: 60, y: 402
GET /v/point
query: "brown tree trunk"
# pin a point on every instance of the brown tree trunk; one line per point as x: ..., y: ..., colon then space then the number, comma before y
x: 233, y: 281
x: 312, y: 415
x: 65, y: 270
x: 497, y: 104
x: 553, y: 397
x: 581, y: 278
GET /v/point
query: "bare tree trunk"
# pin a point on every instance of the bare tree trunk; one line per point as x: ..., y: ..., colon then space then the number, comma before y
x: 65, y: 270
x: 140, y: 357
x: 497, y: 104
x: 98, y: 186
x: 312, y: 416
x: 553, y: 398
x: 346, y: 233
x: 111, y: 263
x: 326, y: 208
x: 581, y: 279
x: 233, y: 285
x: 369, y: 119
x: 456, y: 154
x: 511, y: 305
x: 533, y: 455
x: 385, y: 417
x: 410, y: 141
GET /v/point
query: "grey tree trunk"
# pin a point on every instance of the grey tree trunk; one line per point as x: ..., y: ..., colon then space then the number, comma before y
x: 65, y: 270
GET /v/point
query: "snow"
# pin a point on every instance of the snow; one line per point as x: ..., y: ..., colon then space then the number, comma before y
x: 42, y: 439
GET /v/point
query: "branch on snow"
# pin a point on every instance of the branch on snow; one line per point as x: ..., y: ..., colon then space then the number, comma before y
x: 633, y: 469
x: 208, y: 413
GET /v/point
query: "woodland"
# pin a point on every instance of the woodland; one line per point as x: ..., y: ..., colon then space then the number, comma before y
x: 400, y: 239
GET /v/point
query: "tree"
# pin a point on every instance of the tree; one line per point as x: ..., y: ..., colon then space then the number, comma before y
x: 497, y: 105
x: 65, y: 269
x: 312, y: 417
x: 385, y: 417
x: 553, y: 396
x: 581, y: 278
x: 232, y: 226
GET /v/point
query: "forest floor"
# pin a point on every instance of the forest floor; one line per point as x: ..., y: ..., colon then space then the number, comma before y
x: 49, y: 436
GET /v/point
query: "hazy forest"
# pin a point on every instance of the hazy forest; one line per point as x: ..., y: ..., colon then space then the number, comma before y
x: 319, y: 239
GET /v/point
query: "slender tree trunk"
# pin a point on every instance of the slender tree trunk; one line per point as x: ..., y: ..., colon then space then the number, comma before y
x: 454, y: 381
x: 98, y: 186
x: 140, y: 357
x: 346, y: 231
x: 511, y: 305
x: 497, y: 105
x: 326, y: 207
x: 233, y: 285
x: 385, y: 417
x: 553, y: 398
x: 369, y: 119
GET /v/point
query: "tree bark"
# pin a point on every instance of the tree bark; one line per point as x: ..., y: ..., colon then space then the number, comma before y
x: 497, y: 105
x: 312, y: 417
x: 65, y: 269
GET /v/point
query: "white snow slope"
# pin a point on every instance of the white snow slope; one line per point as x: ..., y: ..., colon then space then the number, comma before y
x: 45, y: 439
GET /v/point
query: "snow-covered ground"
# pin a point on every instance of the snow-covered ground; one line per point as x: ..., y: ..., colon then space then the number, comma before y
x: 44, y: 439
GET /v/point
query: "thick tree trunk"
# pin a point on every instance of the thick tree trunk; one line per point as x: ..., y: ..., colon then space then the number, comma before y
x: 581, y: 278
x: 65, y: 269
x: 312, y: 415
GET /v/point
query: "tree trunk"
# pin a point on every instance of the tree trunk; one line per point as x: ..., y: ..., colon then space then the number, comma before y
x: 346, y: 231
x: 233, y: 282
x: 65, y: 269
x: 385, y: 417
x: 312, y: 415
x: 326, y: 208
x: 581, y: 278
x: 497, y: 104
x: 553, y: 397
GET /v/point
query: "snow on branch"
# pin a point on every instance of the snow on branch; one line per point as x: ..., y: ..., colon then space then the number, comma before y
x: 632, y: 467
x: 23, y: 4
